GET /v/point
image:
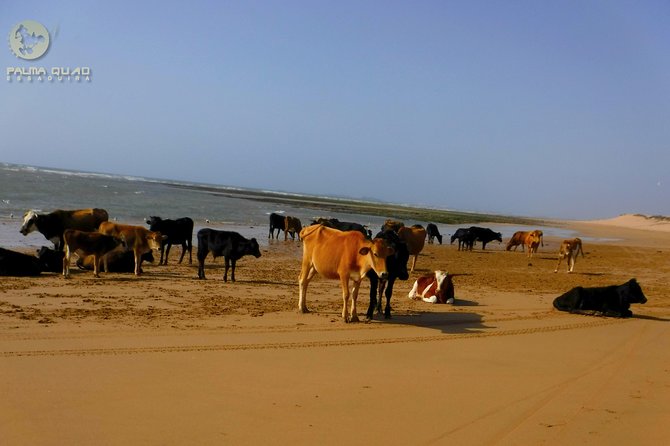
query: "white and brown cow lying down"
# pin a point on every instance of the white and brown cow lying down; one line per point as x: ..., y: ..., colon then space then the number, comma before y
x: 434, y: 288
x: 612, y: 300
x: 343, y: 255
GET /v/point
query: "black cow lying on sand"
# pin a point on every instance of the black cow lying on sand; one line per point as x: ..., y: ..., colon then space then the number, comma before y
x: 14, y: 263
x: 611, y: 301
x: 51, y: 261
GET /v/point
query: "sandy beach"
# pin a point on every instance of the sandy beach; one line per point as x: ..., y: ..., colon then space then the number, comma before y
x: 169, y: 359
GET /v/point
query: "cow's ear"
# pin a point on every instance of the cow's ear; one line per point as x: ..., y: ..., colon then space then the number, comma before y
x: 364, y: 251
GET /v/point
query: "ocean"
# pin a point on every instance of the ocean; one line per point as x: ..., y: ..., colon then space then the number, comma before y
x: 133, y: 199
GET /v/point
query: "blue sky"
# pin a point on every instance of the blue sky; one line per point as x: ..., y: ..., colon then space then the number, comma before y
x: 546, y: 109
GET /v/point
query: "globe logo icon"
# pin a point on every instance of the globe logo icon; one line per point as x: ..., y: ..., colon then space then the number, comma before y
x: 29, y: 40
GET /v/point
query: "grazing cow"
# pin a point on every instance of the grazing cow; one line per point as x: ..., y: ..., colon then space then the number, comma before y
x: 343, y: 225
x: 396, y: 268
x: 50, y: 260
x: 276, y: 222
x: 87, y: 243
x: 343, y: 255
x: 136, y: 238
x: 484, y: 235
x: 434, y: 288
x: 179, y: 231
x: 611, y: 300
x: 392, y: 225
x: 433, y: 233
x: 118, y: 260
x: 463, y: 236
x: 533, y: 241
x: 14, y: 263
x: 569, y: 250
x: 53, y: 224
x: 293, y: 226
x: 415, y: 238
x: 231, y: 245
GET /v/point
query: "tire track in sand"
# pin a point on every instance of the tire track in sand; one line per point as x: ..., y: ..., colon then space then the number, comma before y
x: 306, y: 344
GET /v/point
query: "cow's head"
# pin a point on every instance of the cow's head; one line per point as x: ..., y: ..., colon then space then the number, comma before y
x: 153, y: 220
x: 378, y: 250
x: 632, y: 293
x: 498, y: 237
x: 29, y: 222
x: 155, y: 238
x: 253, y: 248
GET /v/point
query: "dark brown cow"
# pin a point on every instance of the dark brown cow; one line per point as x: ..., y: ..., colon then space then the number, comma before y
x: 343, y: 255
x: 293, y: 226
x: 136, y: 238
x: 53, y: 224
x: 87, y: 243
x: 415, y: 238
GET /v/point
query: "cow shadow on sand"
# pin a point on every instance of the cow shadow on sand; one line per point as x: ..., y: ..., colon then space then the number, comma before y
x: 448, y: 322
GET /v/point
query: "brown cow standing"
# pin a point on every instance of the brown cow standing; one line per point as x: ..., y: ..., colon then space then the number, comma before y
x: 532, y: 241
x: 137, y: 238
x: 342, y: 255
x: 415, y: 238
x: 87, y: 243
x: 293, y: 226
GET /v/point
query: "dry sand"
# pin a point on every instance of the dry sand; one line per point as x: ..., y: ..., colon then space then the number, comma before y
x: 168, y: 359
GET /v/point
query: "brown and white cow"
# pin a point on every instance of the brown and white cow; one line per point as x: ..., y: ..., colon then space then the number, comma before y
x: 87, y: 243
x: 569, y: 250
x: 343, y: 255
x: 53, y: 224
x: 434, y: 288
x: 293, y: 226
x: 415, y: 238
x: 136, y: 238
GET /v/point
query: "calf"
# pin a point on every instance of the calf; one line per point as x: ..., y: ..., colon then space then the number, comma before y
x: 396, y: 267
x: 87, y: 243
x: 612, y: 300
x: 293, y: 226
x: 231, y: 245
x: 343, y: 255
x: 136, y: 238
x: 532, y: 242
x: 484, y: 235
x: 434, y: 288
x: 14, y: 263
x: 179, y: 231
x: 118, y: 260
x: 433, y: 233
x: 569, y: 250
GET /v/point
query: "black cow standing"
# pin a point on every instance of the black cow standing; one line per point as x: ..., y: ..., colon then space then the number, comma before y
x: 177, y: 232
x: 433, y: 233
x: 484, y: 235
x: 343, y: 226
x: 14, y: 263
x: 231, y: 245
x: 463, y: 236
x: 396, y: 266
x: 611, y: 300
x: 276, y: 222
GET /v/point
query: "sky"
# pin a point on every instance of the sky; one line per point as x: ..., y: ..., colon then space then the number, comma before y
x: 529, y: 108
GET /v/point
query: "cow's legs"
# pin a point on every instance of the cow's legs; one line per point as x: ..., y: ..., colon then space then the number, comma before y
x: 96, y: 265
x: 389, y: 293
x: 559, y: 263
x: 167, y: 253
x: 183, y: 251
x: 66, y: 263
x: 414, y: 262
x: 138, y: 265
x: 306, y: 274
x: 353, y: 317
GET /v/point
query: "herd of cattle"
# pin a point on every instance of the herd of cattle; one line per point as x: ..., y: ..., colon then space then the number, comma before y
x: 334, y: 249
